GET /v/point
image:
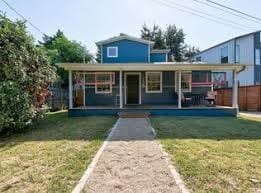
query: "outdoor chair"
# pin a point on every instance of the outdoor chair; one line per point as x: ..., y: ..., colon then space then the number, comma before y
x: 211, y: 98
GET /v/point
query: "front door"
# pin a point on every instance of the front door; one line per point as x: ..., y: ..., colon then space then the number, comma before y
x: 132, y: 89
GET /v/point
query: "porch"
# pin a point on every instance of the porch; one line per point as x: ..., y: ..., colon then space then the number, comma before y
x: 161, y: 110
x: 156, y: 88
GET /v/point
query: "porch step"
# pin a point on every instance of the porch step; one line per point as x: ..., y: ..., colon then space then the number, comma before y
x: 134, y: 114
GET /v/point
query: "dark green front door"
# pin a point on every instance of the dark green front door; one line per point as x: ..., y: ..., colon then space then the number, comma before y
x: 132, y: 90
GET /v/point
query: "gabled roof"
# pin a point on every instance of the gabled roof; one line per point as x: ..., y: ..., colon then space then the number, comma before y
x: 124, y: 37
x: 237, y: 37
x: 160, y: 51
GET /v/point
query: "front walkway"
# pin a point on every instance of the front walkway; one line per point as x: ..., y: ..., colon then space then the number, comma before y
x: 132, y: 162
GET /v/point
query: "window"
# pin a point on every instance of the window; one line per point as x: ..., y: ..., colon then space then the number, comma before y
x: 153, y: 82
x: 185, y: 81
x: 201, y: 77
x: 112, y: 52
x: 224, y: 55
x: 257, y: 53
x: 237, y: 53
x: 103, y: 88
x: 198, y: 59
x: 260, y: 37
x: 103, y: 83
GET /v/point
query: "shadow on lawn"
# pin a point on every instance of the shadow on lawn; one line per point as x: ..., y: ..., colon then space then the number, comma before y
x: 57, y: 126
x: 217, y: 128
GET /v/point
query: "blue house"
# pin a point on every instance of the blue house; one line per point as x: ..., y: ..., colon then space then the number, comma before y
x: 132, y: 76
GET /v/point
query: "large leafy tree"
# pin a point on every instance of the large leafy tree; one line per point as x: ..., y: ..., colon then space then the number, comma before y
x: 172, y: 38
x: 25, y: 74
x: 154, y: 34
x: 61, y: 49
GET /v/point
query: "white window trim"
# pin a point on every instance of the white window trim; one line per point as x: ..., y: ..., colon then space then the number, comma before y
x: 157, y: 91
x: 116, y: 51
x: 176, y: 81
x: 103, y: 92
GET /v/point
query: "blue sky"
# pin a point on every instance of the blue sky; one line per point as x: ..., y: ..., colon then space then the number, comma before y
x: 88, y: 21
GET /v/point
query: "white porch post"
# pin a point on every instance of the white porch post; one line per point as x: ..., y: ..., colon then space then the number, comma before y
x: 235, y: 90
x: 70, y: 90
x: 84, y: 89
x: 179, y: 89
x: 120, y: 87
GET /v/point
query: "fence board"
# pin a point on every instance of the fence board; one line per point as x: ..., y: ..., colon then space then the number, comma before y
x: 249, y: 97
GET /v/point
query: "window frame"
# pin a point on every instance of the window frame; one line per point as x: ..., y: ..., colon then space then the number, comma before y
x: 153, y: 91
x: 103, y: 92
x: 177, y: 82
x: 221, y: 55
x: 108, y: 52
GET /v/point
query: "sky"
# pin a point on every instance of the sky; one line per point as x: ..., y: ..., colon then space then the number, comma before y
x: 89, y: 21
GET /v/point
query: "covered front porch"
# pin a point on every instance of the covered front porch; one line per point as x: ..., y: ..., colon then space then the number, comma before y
x: 156, y: 88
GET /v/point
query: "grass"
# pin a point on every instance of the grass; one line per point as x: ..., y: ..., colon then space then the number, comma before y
x: 214, y: 154
x: 53, y: 156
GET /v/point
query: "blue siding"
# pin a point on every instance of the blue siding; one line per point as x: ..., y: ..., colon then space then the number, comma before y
x: 158, y: 57
x: 168, y: 95
x: 128, y: 52
x: 209, y: 112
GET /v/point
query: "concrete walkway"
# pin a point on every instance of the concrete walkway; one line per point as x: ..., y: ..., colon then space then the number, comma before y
x: 251, y: 114
x: 132, y: 162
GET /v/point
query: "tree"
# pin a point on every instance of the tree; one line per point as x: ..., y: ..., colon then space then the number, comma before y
x: 61, y: 49
x: 171, y: 38
x: 175, y: 42
x: 155, y: 34
x: 190, y: 51
x: 25, y: 74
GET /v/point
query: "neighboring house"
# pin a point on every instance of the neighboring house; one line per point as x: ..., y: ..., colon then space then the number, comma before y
x: 134, y: 75
x: 243, y: 49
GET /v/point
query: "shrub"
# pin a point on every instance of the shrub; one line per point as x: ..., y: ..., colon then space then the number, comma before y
x: 25, y: 72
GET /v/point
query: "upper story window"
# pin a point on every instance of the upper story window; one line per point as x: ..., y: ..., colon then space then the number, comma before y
x: 224, y: 55
x: 237, y: 53
x: 198, y: 59
x: 112, y: 52
x: 257, y: 59
x: 153, y: 82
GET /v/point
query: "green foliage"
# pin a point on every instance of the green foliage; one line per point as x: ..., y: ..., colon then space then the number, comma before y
x: 60, y: 49
x: 171, y: 38
x: 25, y: 73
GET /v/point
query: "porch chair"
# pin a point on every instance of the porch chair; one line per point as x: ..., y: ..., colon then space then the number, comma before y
x: 211, y: 97
x: 186, y: 101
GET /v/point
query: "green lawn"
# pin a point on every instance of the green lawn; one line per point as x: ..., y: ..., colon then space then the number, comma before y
x: 214, y: 154
x: 53, y: 156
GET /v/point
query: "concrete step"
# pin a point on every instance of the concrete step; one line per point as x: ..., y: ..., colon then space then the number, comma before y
x: 134, y: 114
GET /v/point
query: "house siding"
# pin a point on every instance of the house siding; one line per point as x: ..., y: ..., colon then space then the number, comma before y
x: 158, y: 57
x: 213, y: 56
x: 128, y: 52
x: 167, y: 97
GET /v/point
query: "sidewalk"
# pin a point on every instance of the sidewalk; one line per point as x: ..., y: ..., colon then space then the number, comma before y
x: 132, y: 162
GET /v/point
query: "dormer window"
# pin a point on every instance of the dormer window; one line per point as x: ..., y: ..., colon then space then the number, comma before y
x: 112, y: 52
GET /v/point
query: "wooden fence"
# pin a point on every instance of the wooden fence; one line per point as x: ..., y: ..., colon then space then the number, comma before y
x: 249, y: 97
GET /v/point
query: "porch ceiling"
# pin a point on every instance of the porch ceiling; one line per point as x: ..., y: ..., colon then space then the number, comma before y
x: 169, y: 66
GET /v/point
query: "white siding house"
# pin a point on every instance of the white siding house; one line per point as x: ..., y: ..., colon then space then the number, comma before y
x: 241, y: 50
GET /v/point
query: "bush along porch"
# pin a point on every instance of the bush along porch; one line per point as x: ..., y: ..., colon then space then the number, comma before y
x: 134, y: 77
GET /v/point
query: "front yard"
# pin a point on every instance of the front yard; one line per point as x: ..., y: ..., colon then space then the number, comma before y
x: 53, y: 156
x: 214, y: 154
